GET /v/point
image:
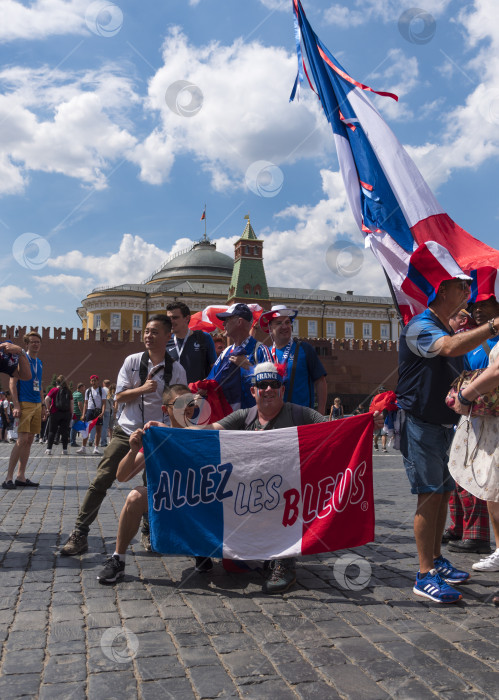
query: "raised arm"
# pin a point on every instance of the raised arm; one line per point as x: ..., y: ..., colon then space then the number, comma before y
x: 134, y: 461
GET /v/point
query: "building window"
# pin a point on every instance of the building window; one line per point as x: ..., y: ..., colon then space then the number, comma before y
x: 246, y: 250
x: 312, y: 329
x: 247, y: 289
x: 348, y: 329
x: 257, y: 290
x: 330, y: 329
x: 367, y: 331
x: 384, y: 331
x: 296, y: 327
x: 115, y: 322
x: 137, y: 322
x: 96, y: 322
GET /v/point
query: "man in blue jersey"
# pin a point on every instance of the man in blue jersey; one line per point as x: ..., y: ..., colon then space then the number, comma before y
x: 233, y: 368
x: 28, y: 407
x: 305, y: 378
x: 429, y: 360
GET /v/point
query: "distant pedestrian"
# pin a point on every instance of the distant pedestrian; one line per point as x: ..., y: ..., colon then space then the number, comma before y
x: 78, y: 403
x: 59, y: 403
x: 336, y: 411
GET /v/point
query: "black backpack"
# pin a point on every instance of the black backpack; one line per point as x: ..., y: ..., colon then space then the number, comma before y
x: 63, y: 399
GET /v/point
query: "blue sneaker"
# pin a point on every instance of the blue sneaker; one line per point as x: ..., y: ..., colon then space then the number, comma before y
x: 448, y: 572
x: 432, y: 586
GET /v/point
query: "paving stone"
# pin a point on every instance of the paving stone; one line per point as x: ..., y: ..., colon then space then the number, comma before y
x: 66, y: 631
x: 248, y: 663
x: 353, y: 683
x: 68, y: 667
x: 26, y: 639
x: 26, y: 684
x: 154, y: 644
x: 160, y: 667
x: 112, y: 685
x: 212, y: 681
x: 408, y: 689
x: 198, y: 656
x: 167, y: 689
x: 324, y: 657
x: 267, y: 690
x: 315, y: 691
x: 63, y: 691
x: 25, y: 661
x: 67, y: 647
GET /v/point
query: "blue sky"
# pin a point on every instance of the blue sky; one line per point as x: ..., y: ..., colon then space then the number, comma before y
x: 120, y: 121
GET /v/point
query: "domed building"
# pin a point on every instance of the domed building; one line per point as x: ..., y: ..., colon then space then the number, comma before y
x: 201, y: 276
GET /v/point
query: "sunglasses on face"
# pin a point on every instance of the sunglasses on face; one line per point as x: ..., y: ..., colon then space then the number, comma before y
x: 272, y: 383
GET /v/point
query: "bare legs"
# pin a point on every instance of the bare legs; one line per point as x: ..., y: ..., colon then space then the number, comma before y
x: 429, y: 524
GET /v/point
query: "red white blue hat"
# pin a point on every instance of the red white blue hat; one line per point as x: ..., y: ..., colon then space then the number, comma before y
x: 276, y: 312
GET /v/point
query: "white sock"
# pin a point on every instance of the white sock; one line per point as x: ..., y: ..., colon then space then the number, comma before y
x: 121, y: 557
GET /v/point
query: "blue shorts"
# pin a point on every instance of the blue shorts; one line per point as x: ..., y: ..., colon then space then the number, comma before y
x: 425, y: 449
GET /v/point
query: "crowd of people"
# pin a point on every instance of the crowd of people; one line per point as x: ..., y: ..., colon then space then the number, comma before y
x: 254, y: 386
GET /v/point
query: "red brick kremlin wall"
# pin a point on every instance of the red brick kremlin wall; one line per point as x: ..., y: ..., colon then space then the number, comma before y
x: 355, y: 367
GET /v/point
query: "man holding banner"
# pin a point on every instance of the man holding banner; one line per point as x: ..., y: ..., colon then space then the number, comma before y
x: 245, y: 497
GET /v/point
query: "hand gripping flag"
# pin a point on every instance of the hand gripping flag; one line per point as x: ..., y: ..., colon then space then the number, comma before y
x: 391, y: 203
x: 261, y: 495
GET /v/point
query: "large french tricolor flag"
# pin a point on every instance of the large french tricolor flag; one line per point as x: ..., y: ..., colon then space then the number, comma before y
x: 391, y: 202
x: 261, y: 495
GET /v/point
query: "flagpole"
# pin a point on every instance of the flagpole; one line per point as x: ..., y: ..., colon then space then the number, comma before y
x: 394, y: 299
x: 205, y: 221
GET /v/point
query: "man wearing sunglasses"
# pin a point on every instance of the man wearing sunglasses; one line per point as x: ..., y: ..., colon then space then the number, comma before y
x: 270, y: 413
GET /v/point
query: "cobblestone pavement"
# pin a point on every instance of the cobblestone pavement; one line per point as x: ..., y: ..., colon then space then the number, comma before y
x: 166, y: 632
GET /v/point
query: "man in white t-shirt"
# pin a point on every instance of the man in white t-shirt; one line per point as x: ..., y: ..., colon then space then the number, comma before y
x: 95, y: 403
x: 140, y: 386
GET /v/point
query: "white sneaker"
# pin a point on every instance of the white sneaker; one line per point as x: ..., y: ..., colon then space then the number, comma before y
x: 48, y: 452
x: 97, y: 452
x: 64, y: 452
x: 490, y: 563
x: 82, y: 451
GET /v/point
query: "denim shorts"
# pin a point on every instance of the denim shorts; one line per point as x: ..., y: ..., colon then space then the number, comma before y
x: 425, y: 449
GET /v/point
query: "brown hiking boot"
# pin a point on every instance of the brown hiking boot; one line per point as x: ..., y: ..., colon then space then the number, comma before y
x: 77, y: 544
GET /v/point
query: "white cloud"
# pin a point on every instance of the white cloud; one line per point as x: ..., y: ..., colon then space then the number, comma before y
x: 471, y: 134
x: 42, y: 18
x: 238, y: 97
x: 67, y: 284
x: 364, y: 11
x: 82, y: 130
x: 131, y: 264
x: 11, y: 299
x: 400, y: 76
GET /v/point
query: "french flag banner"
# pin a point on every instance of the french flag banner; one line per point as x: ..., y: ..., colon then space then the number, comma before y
x: 389, y: 198
x: 261, y: 495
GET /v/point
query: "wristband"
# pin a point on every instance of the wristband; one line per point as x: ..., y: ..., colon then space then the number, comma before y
x: 492, y: 328
x: 462, y: 400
